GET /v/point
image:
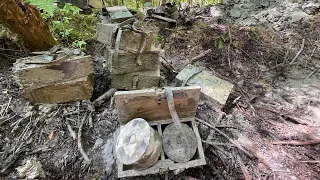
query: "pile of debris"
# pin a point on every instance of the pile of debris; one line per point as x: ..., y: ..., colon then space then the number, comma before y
x: 129, y: 54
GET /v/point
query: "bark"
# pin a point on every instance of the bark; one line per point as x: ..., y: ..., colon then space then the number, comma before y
x: 115, y: 2
x: 27, y: 23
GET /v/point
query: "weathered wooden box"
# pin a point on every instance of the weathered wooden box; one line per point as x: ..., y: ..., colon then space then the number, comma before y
x: 213, y: 89
x: 127, y: 62
x: 129, y: 41
x: 118, y: 13
x: 152, y: 106
x: 106, y: 33
x: 136, y: 80
x: 57, y: 82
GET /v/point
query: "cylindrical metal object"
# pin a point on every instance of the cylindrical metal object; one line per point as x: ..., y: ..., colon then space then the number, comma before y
x: 138, y: 144
x: 180, y: 145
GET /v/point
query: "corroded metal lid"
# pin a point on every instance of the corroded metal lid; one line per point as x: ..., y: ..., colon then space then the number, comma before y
x: 133, y: 141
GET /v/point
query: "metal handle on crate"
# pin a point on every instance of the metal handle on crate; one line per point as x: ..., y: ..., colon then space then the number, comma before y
x: 172, y: 109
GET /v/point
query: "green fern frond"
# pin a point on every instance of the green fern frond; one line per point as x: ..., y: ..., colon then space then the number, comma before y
x: 45, y: 5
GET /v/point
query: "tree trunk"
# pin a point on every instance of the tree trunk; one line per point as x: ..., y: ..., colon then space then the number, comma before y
x: 27, y: 23
x: 115, y: 2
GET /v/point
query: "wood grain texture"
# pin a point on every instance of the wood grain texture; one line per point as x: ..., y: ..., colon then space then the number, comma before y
x: 127, y: 62
x: 27, y: 23
x: 136, y: 80
x: 152, y: 105
x: 33, y: 76
x: 67, y: 81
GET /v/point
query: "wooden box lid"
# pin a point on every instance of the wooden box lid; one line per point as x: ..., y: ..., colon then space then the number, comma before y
x: 152, y: 105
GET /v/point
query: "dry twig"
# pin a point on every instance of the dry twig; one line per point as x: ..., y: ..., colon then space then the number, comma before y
x: 243, y: 169
x: 227, y: 137
x: 202, y: 55
x: 297, y: 143
x: 83, y: 153
x: 72, y: 133
x: 296, y: 119
x: 98, y: 102
x: 299, y: 52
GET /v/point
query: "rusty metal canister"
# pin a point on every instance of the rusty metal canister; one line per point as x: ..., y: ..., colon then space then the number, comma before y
x: 138, y: 144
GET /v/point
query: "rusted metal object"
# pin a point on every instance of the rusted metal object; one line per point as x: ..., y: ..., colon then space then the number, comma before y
x: 179, y: 145
x: 152, y: 105
x: 138, y: 145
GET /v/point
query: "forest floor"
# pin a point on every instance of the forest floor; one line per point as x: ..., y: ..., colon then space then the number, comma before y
x: 273, y: 113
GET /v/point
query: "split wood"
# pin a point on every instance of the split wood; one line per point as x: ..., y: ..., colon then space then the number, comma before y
x: 297, y: 143
x: 227, y: 137
x: 98, y: 102
x: 82, y: 152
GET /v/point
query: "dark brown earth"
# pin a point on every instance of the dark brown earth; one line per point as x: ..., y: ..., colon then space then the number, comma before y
x: 270, y: 104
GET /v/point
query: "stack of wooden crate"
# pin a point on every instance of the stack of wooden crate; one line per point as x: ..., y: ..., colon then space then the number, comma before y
x: 129, y: 55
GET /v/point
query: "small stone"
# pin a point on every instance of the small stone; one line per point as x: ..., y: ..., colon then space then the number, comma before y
x: 311, y: 8
x: 297, y: 16
x: 32, y: 169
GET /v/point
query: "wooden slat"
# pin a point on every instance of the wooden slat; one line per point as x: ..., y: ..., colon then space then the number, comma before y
x: 152, y: 105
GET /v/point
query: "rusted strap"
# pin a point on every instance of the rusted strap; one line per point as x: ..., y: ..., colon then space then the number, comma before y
x: 172, y: 109
x: 190, y: 76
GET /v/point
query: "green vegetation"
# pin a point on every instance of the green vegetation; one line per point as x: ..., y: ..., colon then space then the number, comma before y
x: 45, y: 5
x: 72, y: 28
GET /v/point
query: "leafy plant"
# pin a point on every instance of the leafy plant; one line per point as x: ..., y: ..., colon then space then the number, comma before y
x: 79, y: 43
x: 45, y: 5
x: 72, y: 28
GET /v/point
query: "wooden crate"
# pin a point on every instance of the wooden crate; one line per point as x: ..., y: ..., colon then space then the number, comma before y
x: 127, y: 62
x: 151, y: 105
x: 56, y: 82
x: 136, y: 80
x: 130, y: 41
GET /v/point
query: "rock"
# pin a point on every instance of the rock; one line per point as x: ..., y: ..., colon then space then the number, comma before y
x: 311, y: 8
x: 297, y: 16
x: 32, y: 169
x: 216, y: 12
x: 109, y: 153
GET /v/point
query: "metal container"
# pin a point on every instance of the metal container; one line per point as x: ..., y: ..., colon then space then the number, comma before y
x: 138, y: 145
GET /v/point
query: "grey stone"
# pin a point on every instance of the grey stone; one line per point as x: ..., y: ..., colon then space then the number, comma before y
x: 311, y: 8
x: 297, y: 16
x: 108, y: 153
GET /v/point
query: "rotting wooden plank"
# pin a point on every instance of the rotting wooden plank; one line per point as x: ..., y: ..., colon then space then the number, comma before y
x: 152, y: 105
x: 213, y: 89
x: 74, y: 90
x: 127, y: 62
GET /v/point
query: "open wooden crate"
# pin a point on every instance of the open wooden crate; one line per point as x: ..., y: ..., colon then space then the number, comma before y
x: 152, y: 106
